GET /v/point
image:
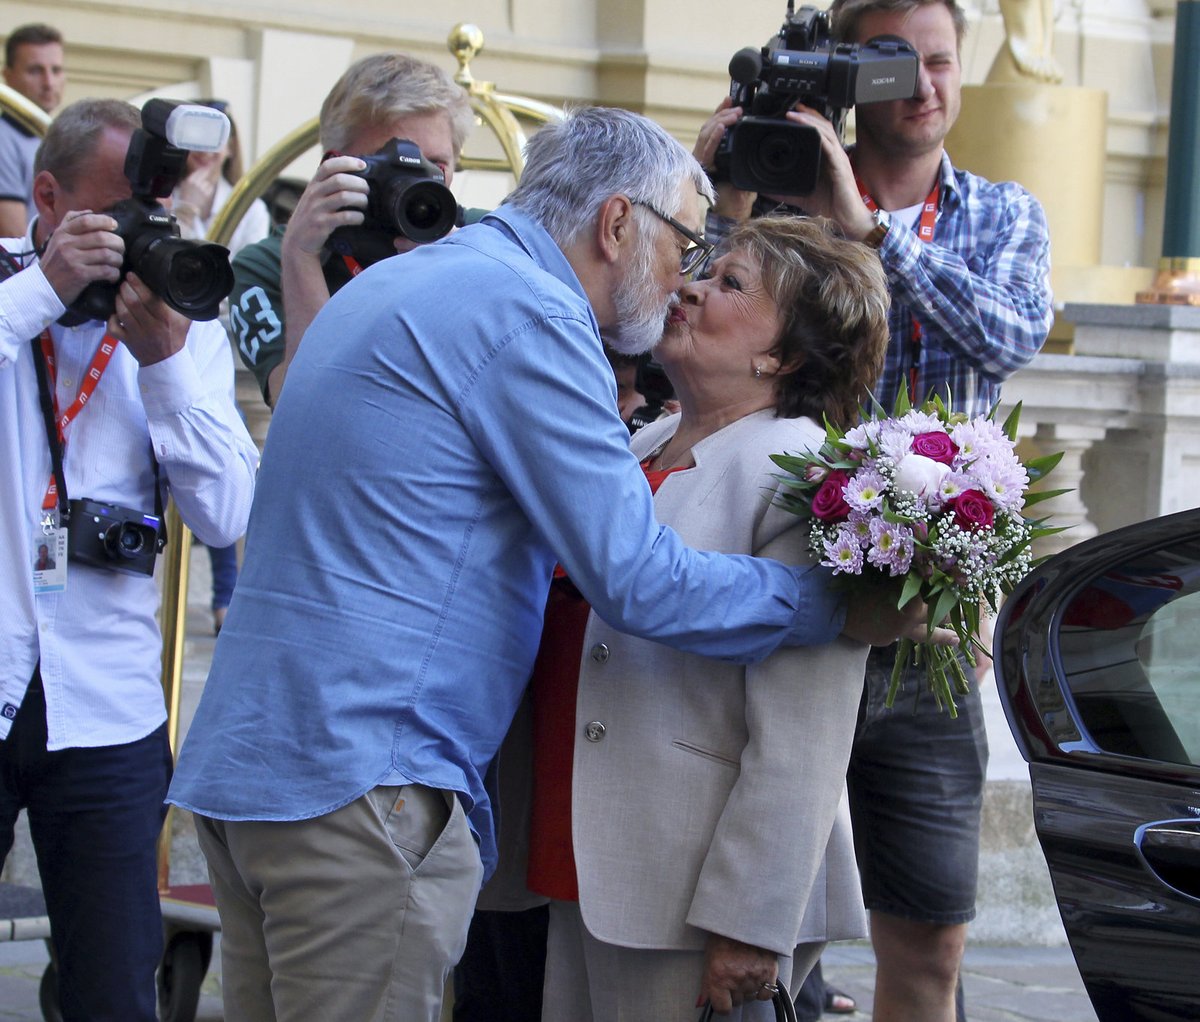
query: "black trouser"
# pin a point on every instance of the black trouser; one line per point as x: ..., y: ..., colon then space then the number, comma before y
x: 94, y: 816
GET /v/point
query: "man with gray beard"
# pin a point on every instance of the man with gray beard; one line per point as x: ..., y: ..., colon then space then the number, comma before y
x: 447, y: 434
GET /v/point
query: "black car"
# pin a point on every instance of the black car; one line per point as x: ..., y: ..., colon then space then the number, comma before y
x: 1097, y: 667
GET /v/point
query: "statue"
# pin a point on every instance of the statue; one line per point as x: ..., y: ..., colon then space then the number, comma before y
x: 1028, y: 41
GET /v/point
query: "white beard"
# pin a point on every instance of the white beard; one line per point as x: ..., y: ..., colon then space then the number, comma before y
x: 641, y: 313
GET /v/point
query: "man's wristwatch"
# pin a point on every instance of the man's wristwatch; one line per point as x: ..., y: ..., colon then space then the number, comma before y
x: 883, y: 222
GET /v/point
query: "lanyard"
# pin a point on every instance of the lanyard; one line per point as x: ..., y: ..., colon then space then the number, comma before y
x: 929, y: 213
x: 57, y: 423
x: 352, y: 265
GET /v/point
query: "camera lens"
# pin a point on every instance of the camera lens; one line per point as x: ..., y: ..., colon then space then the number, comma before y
x: 190, y: 276
x: 125, y: 540
x: 422, y: 210
x: 776, y: 156
x: 132, y: 541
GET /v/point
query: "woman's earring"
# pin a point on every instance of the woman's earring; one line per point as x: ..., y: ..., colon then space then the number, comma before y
x: 758, y: 372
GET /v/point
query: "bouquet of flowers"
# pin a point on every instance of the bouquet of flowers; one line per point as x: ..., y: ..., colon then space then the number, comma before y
x: 931, y: 498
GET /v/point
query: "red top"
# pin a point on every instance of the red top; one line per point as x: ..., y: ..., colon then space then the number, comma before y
x: 555, y: 682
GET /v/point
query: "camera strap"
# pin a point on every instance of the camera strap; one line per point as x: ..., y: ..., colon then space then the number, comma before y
x: 56, y: 424
x: 56, y: 492
x: 925, y: 225
x: 352, y: 265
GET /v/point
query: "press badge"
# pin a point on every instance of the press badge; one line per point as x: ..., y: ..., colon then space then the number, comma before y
x: 49, y: 559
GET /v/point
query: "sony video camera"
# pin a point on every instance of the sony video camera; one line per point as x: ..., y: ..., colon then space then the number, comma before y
x: 764, y: 152
x: 117, y: 538
x: 407, y: 196
x: 192, y: 277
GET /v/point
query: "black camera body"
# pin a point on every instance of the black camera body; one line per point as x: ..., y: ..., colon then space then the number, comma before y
x: 117, y: 538
x: 193, y: 277
x: 407, y: 195
x: 764, y: 152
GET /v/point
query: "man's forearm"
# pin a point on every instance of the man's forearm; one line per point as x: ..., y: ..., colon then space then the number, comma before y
x: 305, y: 293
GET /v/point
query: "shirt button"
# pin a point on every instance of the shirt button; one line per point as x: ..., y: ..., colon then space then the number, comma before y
x: 68, y: 383
x: 593, y: 730
x: 599, y: 653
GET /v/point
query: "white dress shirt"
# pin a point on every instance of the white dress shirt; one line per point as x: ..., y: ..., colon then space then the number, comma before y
x: 98, y: 641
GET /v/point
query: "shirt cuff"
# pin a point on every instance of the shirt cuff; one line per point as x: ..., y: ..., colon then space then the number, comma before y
x: 170, y: 386
x: 28, y: 304
x: 820, y: 611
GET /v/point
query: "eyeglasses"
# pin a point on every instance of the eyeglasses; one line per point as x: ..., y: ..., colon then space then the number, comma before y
x: 696, y: 252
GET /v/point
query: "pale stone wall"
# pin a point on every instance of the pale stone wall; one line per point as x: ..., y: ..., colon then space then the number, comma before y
x: 275, y: 61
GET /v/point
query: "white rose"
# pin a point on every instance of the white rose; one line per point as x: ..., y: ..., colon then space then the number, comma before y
x: 919, y: 475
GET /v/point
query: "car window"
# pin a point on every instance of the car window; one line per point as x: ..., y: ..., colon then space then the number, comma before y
x: 1129, y: 645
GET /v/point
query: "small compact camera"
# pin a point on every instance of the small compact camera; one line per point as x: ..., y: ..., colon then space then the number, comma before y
x: 407, y: 196
x: 117, y: 538
x: 765, y: 152
x: 192, y: 277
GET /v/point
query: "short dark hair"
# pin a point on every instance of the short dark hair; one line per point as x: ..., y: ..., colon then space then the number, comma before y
x: 29, y: 35
x: 845, y: 15
x: 72, y: 136
x: 833, y: 300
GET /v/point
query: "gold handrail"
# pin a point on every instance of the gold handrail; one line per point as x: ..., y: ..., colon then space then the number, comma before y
x: 26, y: 113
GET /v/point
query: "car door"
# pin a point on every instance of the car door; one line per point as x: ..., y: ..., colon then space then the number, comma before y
x: 1098, y: 667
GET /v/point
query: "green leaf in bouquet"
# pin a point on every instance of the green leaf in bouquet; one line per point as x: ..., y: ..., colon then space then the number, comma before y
x: 1010, y: 424
x: 1037, y: 496
x: 902, y: 404
x: 911, y: 590
x: 1040, y: 466
x: 946, y: 600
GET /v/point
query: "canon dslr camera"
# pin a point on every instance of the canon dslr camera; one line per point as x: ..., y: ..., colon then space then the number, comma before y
x: 117, y: 538
x: 407, y: 196
x: 765, y: 152
x: 192, y: 277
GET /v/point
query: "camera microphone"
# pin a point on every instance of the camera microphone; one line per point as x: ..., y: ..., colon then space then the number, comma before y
x: 745, y: 66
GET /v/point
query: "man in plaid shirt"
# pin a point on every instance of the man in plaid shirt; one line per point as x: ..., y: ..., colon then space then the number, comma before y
x: 968, y: 265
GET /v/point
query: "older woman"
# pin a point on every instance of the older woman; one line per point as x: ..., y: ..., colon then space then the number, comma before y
x: 689, y: 819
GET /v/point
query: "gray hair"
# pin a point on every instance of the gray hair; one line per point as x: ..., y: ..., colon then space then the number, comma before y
x: 73, y: 135
x: 385, y: 87
x: 573, y: 166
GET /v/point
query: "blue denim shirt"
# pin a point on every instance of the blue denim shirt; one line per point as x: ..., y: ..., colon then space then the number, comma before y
x: 447, y: 432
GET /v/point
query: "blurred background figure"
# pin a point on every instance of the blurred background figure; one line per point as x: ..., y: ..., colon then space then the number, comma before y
x: 197, y: 200
x: 33, y: 66
x: 209, y: 182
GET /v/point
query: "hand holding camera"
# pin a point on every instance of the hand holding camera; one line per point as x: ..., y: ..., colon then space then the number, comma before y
x: 149, y: 328
x: 82, y: 250
x: 335, y: 197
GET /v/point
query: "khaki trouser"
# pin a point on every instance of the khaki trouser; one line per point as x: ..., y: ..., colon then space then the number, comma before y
x: 358, y: 915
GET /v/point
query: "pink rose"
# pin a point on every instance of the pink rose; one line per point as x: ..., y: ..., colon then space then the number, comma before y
x: 935, y: 446
x: 828, y: 503
x: 973, y: 510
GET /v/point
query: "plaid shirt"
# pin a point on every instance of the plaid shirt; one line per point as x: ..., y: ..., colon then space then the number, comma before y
x: 980, y: 290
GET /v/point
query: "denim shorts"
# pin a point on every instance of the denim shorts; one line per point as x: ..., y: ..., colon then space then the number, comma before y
x: 916, y: 794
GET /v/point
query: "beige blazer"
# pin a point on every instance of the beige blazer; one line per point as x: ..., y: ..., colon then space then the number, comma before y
x: 708, y: 795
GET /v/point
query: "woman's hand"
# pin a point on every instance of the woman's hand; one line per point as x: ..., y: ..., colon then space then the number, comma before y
x: 735, y: 973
